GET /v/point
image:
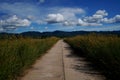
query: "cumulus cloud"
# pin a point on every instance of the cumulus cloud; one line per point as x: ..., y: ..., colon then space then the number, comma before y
x: 83, y: 23
x: 106, y: 20
x: 55, y: 18
x: 66, y: 23
x: 68, y: 17
x: 115, y: 19
x: 97, y: 17
x: 69, y: 23
x: 94, y: 20
x: 101, y: 12
x: 100, y: 17
x: 14, y: 22
x: 65, y: 15
x: 36, y: 13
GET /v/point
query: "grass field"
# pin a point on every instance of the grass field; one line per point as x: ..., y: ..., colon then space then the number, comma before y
x: 16, y: 55
x: 103, y: 51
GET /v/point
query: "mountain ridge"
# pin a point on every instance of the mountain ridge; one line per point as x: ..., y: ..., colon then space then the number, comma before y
x: 59, y: 33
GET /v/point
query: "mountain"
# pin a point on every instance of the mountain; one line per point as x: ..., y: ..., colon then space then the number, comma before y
x: 67, y: 34
x: 35, y: 34
x: 55, y: 33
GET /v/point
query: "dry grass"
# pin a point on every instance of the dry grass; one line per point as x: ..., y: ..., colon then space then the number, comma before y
x: 18, y: 54
x: 103, y: 51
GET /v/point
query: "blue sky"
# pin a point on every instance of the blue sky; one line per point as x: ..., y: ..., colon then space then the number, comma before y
x: 67, y: 15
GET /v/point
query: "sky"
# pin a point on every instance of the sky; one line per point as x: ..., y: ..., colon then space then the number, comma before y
x: 18, y: 16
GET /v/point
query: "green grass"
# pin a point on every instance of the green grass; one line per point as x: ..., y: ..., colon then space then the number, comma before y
x: 103, y: 51
x: 16, y: 55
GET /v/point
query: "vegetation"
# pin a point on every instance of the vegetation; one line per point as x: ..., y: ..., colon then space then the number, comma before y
x: 17, y: 54
x: 103, y: 51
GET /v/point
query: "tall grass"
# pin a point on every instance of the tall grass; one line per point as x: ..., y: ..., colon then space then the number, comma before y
x: 18, y: 54
x: 103, y: 51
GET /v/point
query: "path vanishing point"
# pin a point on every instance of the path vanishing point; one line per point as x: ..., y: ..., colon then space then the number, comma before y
x: 60, y: 64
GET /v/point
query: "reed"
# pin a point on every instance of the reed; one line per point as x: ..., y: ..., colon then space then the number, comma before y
x: 16, y: 55
x: 103, y: 51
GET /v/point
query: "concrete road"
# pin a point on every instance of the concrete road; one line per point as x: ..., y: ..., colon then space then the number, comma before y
x: 59, y: 63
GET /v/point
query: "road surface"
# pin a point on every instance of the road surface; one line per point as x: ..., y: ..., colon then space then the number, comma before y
x: 59, y: 63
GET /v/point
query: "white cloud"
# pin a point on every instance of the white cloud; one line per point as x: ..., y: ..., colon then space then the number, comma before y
x: 83, y: 23
x: 101, y: 12
x: 115, y: 19
x: 69, y: 23
x: 97, y: 17
x: 70, y: 13
x: 106, y: 20
x: 94, y: 20
x: 24, y: 22
x: 69, y: 18
x: 66, y: 16
x: 55, y: 18
x: 36, y: 13
x: 66, y: 23
x: 14, y: 22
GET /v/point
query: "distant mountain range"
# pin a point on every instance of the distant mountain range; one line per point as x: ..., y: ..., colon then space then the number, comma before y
x: 35, y: 34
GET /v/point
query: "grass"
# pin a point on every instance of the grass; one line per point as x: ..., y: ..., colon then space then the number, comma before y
x: 18, y: 54
x: 102, y: 51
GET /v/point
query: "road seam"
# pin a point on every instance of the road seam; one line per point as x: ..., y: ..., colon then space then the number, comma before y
x: 64, y: 78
